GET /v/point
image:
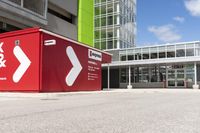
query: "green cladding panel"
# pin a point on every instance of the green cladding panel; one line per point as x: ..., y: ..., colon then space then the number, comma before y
x: 86, y: 22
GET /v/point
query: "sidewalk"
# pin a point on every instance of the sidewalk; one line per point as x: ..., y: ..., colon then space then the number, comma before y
x: 60, y: 94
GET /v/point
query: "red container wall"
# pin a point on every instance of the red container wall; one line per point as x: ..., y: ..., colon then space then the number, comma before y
x: 33, y: 61
x: 21, y: 53
x: 57, y: 65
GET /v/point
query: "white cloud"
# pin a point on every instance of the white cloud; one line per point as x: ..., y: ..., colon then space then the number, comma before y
x: 165, y: 33
x: 179, y: 19
x: 193, y: 6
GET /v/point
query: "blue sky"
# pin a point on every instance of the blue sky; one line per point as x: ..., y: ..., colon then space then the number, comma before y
x: 165, y: 21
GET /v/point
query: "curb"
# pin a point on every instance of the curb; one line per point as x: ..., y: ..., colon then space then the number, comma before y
x: 61, y: 94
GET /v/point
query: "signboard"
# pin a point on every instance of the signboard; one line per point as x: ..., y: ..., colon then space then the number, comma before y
x: 40, y: 61
x: 19, y: 59
x: 69, y: 66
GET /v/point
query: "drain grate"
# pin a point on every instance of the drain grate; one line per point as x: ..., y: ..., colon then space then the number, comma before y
x: 49, y: 99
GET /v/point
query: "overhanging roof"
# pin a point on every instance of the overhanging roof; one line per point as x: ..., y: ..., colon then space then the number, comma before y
x: 154, y: 61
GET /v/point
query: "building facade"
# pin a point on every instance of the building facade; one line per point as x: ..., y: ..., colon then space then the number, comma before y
x: 115, y: 24
x: 86, y: 22
x: 58, y: 16
x: 164, y: 66
x: 109, y: 25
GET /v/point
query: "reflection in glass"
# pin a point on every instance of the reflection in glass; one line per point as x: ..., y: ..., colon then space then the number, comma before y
x: 171, y: 54
x: 124, y: 77
x: 37, y: 6
x: 180, y: 53
x: 18, y: 2
x: 154, y: 55
x: 171, y: 83
x: 130, y: 57
x: 162, y: 55
x: 180, y: 83
x: 189, y: 52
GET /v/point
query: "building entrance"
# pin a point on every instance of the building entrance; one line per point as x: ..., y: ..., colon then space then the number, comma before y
x: 176, y: 78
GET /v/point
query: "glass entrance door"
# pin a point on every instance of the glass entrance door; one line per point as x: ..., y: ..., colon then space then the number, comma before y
x: 180, y: 78
x: 176, y: 78
x: 171, y: 78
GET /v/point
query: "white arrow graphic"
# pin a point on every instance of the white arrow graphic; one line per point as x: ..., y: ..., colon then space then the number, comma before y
x: 24, y: 64
x: 76, y: 69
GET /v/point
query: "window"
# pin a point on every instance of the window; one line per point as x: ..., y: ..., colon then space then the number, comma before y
x: 116, y: 32
x: 170, y: 54
x: 180, y: 53
x: 110, y: 20
x: 132, y: 75
x: 189, y: 52
x: 122, y: 57
x: 162, y: 55
x: 170, y: 51
x: 97, y: 10
x: 190, y: 49
x: 145, y: 52
x: 116, y: 7
x: 37, y: 6
x: 109, y: 33
x: 124, y: 75
x: 180, y: 50
x: 67, y: 17
x: 103, y: 9
x: 115, y: 43
x: 103, y: 21
x: 18, y: 2
x: 130, y: 57
x: 153, y: 52
x: 109, y: 8
x: 97, y: 22
x: 97, y: 45
x: 162, y: 73
x: 97, y: 1
x: 138, y: 56
x: 97, y: 34
x: 110, y: 45
x: 103, y: 34
x: 115, y: 19
x: 197, y: 49
x: 154, y: 55
x: 145, y: 56
x: 154, y: 74
x: 103, y: 45
x: 145, y: 75
x: 190, y: 72
x: 137, y: 74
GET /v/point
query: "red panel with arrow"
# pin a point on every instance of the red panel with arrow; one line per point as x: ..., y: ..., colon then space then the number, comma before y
x: 41, y: 61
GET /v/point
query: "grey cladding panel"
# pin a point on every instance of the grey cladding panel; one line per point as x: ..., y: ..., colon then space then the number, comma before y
x: 68, y: 5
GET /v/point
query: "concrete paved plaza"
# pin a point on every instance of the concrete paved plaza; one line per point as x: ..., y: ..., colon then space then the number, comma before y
x: 121, y: 111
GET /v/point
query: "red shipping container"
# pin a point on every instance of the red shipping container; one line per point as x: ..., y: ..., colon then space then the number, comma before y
x: 36, y: 60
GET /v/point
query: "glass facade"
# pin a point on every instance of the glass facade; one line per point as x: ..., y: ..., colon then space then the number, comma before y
x: 159, y: 73
x: 144, y: 74
x: 114, y: 24
x: 160, y: 52
x: 173, y: 65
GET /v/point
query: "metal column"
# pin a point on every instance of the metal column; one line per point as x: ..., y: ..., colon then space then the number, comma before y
x: 108, y: 77
x: 195, y: 86
x: 195, y: 73
x: 129, y: 75
x: 129, y: 78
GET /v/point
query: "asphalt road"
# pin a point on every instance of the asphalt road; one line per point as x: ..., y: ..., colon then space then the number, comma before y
x: 116, y: 112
